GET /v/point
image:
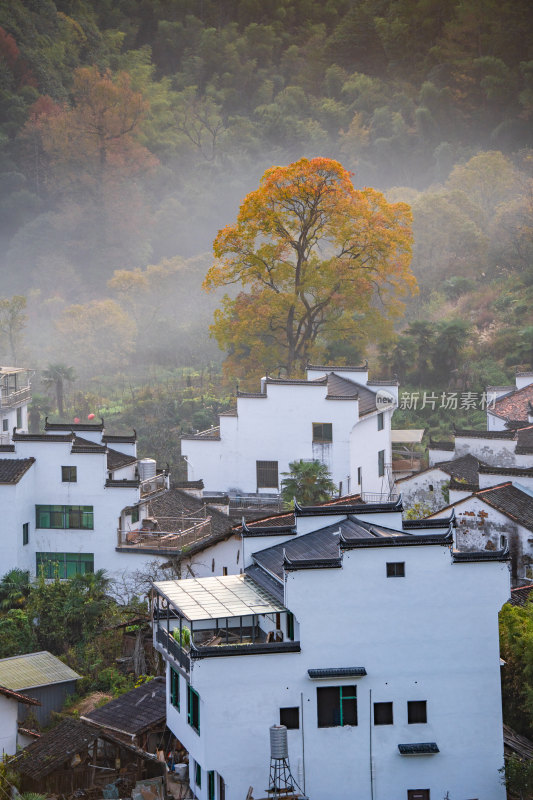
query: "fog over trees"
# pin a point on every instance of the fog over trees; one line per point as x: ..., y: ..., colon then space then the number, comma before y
x: 131, y: 132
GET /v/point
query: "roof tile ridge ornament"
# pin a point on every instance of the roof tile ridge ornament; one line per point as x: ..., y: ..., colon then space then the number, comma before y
x: 297, y: 507
x: 398, y: 506
x: 245, y: 528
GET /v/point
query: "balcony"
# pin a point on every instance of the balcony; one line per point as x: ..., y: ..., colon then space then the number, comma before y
x: 9, y: 399
x: 225, y: 616
x: 146, y: 540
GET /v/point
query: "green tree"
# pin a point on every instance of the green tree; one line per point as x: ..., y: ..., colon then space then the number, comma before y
x: 320, y: 260
x: 14, y: 589
x: 54, y: 377
x: 12, y: 323
x: 309, y: 482
x: 16, y: 634
x: 516, y: 648
x: 450, y: 342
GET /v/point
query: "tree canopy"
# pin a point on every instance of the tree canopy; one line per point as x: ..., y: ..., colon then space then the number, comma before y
x: 320, y: 260
x: 308, y: 482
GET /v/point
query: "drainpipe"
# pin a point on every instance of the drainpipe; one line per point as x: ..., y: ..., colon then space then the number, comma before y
x: 303, y: 740
x: 370, y: 743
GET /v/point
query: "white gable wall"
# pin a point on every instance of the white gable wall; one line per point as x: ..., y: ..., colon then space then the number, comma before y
x: 8, y: 725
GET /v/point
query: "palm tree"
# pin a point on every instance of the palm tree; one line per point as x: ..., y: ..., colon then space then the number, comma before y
x: 54, y: 376
x: 308, y: 481
x: 14, y: 589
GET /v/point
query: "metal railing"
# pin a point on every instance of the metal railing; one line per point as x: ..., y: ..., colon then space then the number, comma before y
x: 154, y: 484
x: 8, y: 400
x: 167, y: 643
x: 141, y: 539
x: 256, y: 501
x: 379, y: 497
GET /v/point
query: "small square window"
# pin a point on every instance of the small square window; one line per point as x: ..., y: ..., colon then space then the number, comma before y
x: 290, y: 717
x: 396, y: 569
x: 381, y: 423
x: 69, y: 474
x: 322, y: 432
x: 25, y: 533
x: 382, y: 713
x: 417, y: 711
x: 430, y: 487
x: 267, y: 474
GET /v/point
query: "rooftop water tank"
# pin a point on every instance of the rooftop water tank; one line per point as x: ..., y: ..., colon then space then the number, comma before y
x: 147, y: 468
x: 278, y: 742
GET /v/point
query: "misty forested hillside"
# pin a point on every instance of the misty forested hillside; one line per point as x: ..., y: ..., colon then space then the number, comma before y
x: 130, y: 131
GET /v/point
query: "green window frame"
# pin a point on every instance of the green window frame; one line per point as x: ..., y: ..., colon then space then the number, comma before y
x: 211, y: 785
x: 63, y: 565
x: 193, y: 709
x: 65, y: 517
x: 198, y: 774
x: 25, y: 532
x: 322, y: 432
x: 381, y: 463
x: 175, y: 688
x: 381, y: 421
x: 290, y: 626
x: 69, y: 474
x: 135, y: 514
x: 336, y: 706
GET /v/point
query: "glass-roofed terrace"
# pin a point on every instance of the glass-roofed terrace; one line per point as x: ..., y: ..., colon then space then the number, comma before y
x: 222, y: 616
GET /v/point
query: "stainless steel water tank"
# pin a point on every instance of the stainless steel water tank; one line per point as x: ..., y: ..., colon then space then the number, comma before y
x: 278, y: 742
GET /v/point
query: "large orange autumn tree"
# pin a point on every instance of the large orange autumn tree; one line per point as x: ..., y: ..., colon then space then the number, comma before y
x: 318, y: 261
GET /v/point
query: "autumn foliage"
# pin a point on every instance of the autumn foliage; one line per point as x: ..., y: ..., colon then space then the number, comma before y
x: 318, y: 261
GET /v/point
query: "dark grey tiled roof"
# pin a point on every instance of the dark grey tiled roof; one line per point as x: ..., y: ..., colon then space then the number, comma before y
x: 460, y: 557
x: 135, y: 711
x: 7, y: 448
x: 120, y: 438
x: 116, y: 460
x: 81, y: 445
x: 475, y: 434
x: 418, y: 749
x: 344, y: 388
x: 12, y: 469
x: 175, y: 503
x: 516, y: 472
x: 54, y: 748
x: 510, y: 501
x: 317, y: 547
x: 524, y: 441
x: 266, y: 581
x: 463, y: 468
x: 42, y: 437
x: 521, y: 595
x: 73, y: 426
x: 337, y: 672
x: 435, y: 445
x: 332, y: 368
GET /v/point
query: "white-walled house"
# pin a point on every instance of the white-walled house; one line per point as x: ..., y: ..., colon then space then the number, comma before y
x: 10, y: 738
x: 510, y: 406
x: 15, y: 394
x: 336, y: 416
x: 433, y: 488
x: 74, y: 500
x: 336, y: 629
x: 495, y: 514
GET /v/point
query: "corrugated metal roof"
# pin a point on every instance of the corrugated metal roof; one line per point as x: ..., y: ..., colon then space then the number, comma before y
x: 34, y: 669
x: 222, y: 597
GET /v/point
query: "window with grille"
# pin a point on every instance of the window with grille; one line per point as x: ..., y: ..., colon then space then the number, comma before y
x: 69, y: 474
x: 267, y: 474
x: 396, y: 569
x: 322, y: 432
x: 336, y: 706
